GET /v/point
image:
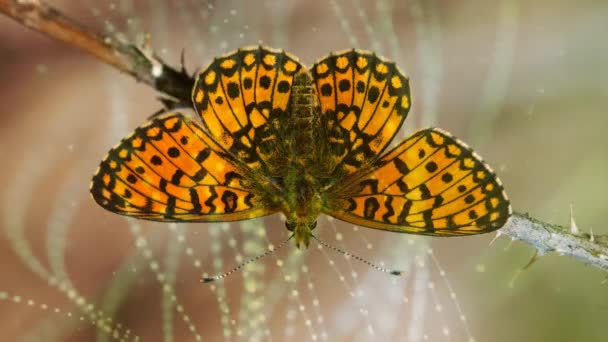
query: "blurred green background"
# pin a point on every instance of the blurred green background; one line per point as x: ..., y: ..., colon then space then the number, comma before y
x: 523, y: 82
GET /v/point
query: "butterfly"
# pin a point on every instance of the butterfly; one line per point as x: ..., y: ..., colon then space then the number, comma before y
x: 275, y: 136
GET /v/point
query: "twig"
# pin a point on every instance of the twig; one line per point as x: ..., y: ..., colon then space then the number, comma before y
x: 145, y: 66
x: 545, y: 237
x: 139, y: 62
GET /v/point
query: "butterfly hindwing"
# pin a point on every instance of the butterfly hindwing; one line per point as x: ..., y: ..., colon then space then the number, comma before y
x: 241, y: 96
x: 364, y: 101
x: 430, y: 184
x: 170, y: 170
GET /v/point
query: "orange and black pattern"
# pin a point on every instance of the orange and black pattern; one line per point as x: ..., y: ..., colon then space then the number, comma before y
x: 241, y: 98
x: 276, y: 136
x: 170, y: 170
x: 430, y: 184
x: 364, y: 100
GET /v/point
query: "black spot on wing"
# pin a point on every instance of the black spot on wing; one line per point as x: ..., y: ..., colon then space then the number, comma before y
x: 371, y: 183
x: 199, y: 175
x: 326, y: 90
x: 131, y: 178
x: 177, y: 176
x: 438, y: 201
x: 447, y: 177
x: 352, y: 205
x: 388, y: 204
x: 372, y: 94
x: 283, y: 86
x: 360, y: 87
x: 156, y: 160
x: 202, y: 155
x: 344, y: 85
x: 229, y: 199
x: 196, y: 204
x: 209, y: 201
x: 247, y: 83
x: 371, y: 206
x: 428, y: 220
x: 231, y: 176
x: 424, y: 190
x: 404, y: 212
x: 402, y: 186
x: 265, y: 82
x: 248, y: 199
x: 431, y: 166
x: 173, y: 152
x: 401, y: 166
x: 233, y: 90
x: 170, y: 209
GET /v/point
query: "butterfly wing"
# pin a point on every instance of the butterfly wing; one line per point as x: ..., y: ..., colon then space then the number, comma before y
x: 364, y: 101
x: 430, y: 184
x: 170, y: 170
x: 241, y: 96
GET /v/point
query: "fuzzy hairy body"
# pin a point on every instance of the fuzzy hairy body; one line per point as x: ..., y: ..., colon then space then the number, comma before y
x: 300, y: 168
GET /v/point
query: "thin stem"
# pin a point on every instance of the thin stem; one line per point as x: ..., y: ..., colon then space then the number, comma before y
x: 546, y: 237
x: 47, y: 20
x: 139, y: 62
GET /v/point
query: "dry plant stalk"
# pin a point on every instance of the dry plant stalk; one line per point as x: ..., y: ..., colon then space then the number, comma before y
x: 139, y: 62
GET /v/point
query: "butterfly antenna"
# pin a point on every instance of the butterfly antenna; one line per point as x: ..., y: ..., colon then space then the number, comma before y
x: 254, y: 259
x: 356, y: 257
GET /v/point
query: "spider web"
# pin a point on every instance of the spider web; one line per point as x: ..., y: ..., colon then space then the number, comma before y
x: 152, y: 291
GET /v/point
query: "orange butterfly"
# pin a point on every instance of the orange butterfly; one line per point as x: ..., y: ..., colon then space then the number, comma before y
x: 277, y: 137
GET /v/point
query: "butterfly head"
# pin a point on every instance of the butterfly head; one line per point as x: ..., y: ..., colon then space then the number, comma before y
x: 302, y: 231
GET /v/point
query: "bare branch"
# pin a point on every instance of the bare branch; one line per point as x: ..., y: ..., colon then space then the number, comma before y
x: 546, y: 237
x: 145, y: 66
x: 139, y: 62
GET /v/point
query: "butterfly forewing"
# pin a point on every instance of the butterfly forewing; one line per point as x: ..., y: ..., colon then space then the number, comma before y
x: 430, y: 184
x: 170, y: 170
x: 241, y: 97
x: 364, y: 101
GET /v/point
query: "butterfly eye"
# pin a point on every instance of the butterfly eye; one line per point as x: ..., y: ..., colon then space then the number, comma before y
x: 290, y: 226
